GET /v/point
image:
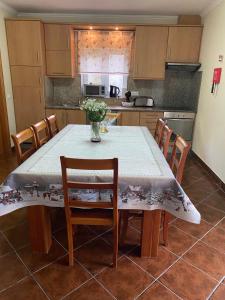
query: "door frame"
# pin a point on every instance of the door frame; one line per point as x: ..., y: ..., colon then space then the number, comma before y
x: 3, y: 112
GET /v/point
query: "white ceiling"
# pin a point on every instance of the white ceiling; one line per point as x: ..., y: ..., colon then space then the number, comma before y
x: 153, y: 7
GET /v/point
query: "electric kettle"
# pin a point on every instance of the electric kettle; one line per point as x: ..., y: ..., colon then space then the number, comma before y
x: 114, y: 91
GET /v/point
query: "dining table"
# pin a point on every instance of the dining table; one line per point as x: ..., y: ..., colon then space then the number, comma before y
x: 146, y: 182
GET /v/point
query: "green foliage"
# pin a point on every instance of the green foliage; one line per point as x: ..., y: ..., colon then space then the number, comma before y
x: 96, y: 110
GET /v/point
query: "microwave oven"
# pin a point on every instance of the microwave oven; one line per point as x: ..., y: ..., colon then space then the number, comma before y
x: 94, y: 90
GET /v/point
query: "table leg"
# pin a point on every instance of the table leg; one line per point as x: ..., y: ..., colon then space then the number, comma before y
x: 150, y: 233
x: 40, y: 228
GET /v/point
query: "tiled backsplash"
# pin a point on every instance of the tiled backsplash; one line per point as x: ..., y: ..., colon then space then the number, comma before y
x: 179, y: 89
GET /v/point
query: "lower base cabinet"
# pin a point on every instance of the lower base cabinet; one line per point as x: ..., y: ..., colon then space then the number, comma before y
x: 65, y: 117
x: 149, y: 119
x: 76, y: 117
x: 129, y: 118
x: 60, y: 115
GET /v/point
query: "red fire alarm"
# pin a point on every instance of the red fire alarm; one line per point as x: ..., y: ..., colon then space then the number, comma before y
x: 216, y: 79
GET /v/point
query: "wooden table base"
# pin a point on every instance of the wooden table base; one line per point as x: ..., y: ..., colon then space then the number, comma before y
x: 150, y: 233
x: 40, y: 228
x: 41, y: 234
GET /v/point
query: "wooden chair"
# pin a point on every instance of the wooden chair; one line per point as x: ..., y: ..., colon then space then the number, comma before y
x: 177, y: 164
x: 180, y: 149
x: 41, y: 132
x: 95, y: 213
x: 52, y: 125
x: 158, y: 131
x: 164, y: 142
x: 26, y: 135
x: 114, y: 116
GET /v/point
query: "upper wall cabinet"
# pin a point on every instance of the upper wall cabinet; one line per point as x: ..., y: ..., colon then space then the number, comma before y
x: 60, y: 54
x: 184, y: 44
x: 150, y: 52
x: 25, y: 42
x: 57, y: 37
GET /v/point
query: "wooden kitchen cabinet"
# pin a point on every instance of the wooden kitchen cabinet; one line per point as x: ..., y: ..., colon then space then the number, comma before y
x: 150, y: 52
x: 25, y: 42
x: 27, y: 64
x: 67, y: 116
x: 57, y: 37
x: 61, y: 116
x: 184, y: 44
x: 76, y: 116
x: 149, y: 119
x: 58, y: 63
x: 29, y: 106
x: 27, y: 76
x: 60, y: 50
x: 28, y: 95
x: 130, y: 118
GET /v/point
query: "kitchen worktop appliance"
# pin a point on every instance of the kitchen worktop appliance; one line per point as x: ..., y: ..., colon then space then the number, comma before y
x: 114, y: 91
x: 142, y: 101
x: 92, y: 90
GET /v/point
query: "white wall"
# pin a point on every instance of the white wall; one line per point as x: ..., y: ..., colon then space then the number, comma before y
x: 209, y: 133
x: 5, y: 12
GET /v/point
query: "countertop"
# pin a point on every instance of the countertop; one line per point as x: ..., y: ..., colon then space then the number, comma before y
x: 122, y: 108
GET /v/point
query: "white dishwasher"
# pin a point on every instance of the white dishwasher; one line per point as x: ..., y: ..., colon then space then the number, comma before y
x: 182, y: 123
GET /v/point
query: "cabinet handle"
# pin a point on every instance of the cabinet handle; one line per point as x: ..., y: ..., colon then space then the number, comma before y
x: 40, y: 99
x: 40, y: 80
x: 169, y: 52
x: 68, y: 42
x: 37, y: 56
x: 58, y: 73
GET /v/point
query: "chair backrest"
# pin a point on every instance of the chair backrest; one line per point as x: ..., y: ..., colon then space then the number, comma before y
x: 89, y: 164
x: 52, y: 125
x: 113, y: 116
x: 26, y: 135
x: 164, y: 142
x: 158, y: 131
x: 179, y: 155
x: 41, y: 132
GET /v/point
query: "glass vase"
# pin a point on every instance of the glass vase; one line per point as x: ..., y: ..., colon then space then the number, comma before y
x: 95, y: 132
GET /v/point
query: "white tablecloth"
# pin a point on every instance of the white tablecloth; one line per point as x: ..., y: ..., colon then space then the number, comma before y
x: 145, y: 179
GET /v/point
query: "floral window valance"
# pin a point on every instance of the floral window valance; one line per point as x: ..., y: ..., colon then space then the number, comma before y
x: 106, y: 52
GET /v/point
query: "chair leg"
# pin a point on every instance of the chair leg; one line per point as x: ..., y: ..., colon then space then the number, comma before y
x: 166, y: 220
x: 115, y: 244
x: 70, y: 244
x: 124, y: 226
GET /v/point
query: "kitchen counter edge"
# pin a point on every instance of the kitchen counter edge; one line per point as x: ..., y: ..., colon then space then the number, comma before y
x: 122, y: 108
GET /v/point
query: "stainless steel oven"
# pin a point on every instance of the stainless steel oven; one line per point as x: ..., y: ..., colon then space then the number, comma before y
x: 182, y: 123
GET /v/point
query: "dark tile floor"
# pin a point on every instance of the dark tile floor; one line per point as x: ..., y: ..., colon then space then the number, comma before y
x: 192, y: 267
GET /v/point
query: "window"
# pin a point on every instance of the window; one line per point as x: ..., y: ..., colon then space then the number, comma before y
x: 104, y: 57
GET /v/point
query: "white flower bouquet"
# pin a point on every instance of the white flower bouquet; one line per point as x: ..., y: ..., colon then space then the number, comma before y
x: 96, y: 110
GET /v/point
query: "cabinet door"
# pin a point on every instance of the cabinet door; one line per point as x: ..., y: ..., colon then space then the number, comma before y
x: 76, y: 117
x: 184, y: 44
x: 26, y: 76
x: 149, y: 119
x: 150, y: 52
x: 59, y: 63
x: 61, y: 116
x: 57, y: 37
x: 130, y: 118
x: 24, y: 42
x: 29, y: 106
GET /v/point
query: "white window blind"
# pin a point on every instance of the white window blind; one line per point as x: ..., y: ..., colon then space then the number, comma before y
x: 105, y: 52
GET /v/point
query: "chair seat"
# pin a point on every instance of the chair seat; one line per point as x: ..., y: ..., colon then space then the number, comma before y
x: 92, y: 216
